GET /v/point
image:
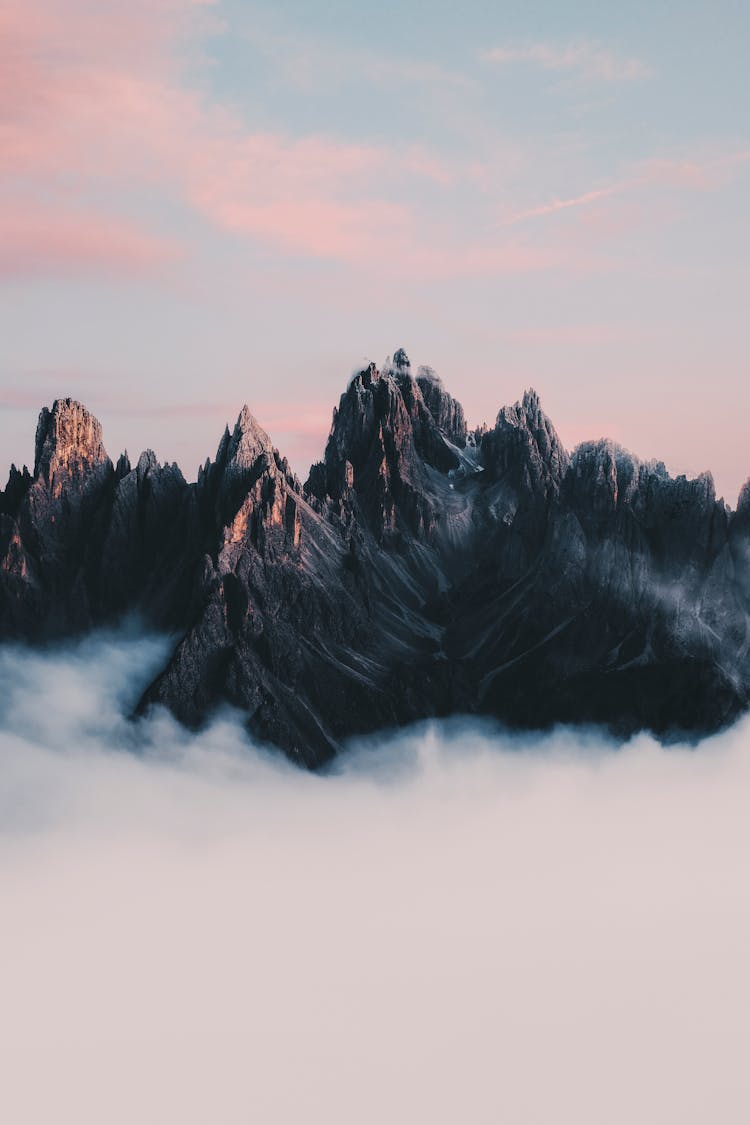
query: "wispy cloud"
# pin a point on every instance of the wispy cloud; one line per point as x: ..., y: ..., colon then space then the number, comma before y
x: 685, y: 174
x: 585, y: 58
x: 47, y: 241
x: 563, y: 204
x: 312, y: 62
x: 99, y: 103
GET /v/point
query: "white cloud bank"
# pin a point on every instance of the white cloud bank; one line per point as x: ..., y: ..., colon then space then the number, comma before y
x: 457, y: 926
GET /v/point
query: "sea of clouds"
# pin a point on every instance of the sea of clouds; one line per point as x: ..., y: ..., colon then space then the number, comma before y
x: 452, y: 925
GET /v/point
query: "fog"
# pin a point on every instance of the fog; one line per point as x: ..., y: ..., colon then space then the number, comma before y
x: 453, y: 925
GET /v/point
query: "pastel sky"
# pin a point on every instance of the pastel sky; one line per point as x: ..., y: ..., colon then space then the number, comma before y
x: 204, y: 204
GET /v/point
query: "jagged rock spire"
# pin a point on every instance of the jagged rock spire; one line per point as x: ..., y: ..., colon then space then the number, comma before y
x: 446, y: 410
x: 248, y: 441
x: 401, y: 361
x: 68, y: 440
x: 384, y: 434
x: 525, y: 447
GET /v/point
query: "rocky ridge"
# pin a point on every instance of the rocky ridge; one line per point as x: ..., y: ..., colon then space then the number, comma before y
x: 423, y: 569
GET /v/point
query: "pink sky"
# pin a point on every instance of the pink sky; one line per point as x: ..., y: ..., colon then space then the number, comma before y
x: 203, y: 206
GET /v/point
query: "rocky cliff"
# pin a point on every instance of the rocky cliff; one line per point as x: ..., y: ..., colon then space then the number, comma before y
x: 423, y: 569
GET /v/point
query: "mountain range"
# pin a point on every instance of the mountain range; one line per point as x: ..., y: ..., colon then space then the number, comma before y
x: 424, y: 569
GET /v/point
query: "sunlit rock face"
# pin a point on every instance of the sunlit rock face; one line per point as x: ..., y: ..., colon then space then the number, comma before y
x: 51, y: 519
x: 424, y: 569
x: 71, y: 472
x: 69, y: 447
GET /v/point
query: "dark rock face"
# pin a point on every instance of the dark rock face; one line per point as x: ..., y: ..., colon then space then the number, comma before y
x: 383, y: 445
x: 150, y: 544
x: 525, y: 448
x: 447, y: 414
x: 422, y: 570
x: 83, y: 542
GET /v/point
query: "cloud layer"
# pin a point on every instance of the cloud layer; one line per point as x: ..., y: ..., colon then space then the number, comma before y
x: 455, y: 925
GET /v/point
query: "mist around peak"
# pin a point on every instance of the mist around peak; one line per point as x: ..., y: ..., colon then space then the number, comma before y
x: 452, y: 923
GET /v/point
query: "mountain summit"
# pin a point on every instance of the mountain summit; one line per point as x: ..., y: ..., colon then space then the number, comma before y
x: 422, y: 570
x: 68, y: 442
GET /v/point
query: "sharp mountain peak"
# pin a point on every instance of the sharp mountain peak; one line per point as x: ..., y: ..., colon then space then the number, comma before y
x: 423, y: 569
